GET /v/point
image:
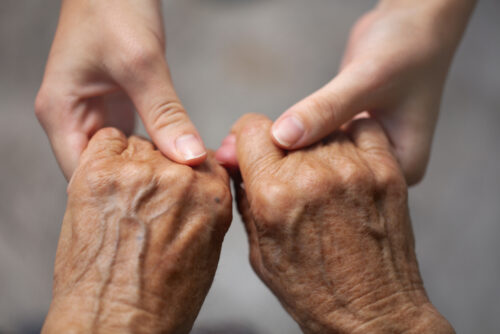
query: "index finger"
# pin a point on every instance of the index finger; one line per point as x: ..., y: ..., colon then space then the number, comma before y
x: 255, y: 148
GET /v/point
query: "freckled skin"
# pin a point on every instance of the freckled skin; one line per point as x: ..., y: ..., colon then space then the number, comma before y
x: 140, y: 240
x: 330, y: 233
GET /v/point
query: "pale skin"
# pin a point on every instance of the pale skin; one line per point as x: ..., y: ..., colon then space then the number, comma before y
x: 395, y: 66
x: 140, y: 240
x: 109, y: 56
x: 329, y: 230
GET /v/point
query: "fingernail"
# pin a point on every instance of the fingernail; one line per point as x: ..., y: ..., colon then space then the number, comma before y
x: 288, y: 131
x: 189, y: 147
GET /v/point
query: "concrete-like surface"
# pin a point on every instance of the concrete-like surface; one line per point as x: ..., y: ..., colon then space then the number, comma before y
x: 233, y: 57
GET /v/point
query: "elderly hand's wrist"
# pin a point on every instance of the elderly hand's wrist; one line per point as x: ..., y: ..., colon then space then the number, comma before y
x: 70, y: 316
x: 73, y: 314
x: 424, y: 319
x: 393, y: 314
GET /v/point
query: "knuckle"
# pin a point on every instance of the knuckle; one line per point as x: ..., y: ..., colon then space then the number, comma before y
x: 108, y: 134
x: 270, y: 201
x: 105, y: 178
x: 352, y: 179
x: 100, y: 178
x: 313, y: 182
x: 271, y: 194
x: 351, y: 173
x: 135, y: 174
x: 53, y: 104
x: 324, y: 107
x: 170, y: 113
x: 391, y: 181
x: 318, y: 107
x: 142, y: 56
x: 179, y: 176
x: 139, y: 149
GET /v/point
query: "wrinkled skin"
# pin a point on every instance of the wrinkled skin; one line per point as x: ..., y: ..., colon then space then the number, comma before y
x: 330, y: 233
x: 140, y: 240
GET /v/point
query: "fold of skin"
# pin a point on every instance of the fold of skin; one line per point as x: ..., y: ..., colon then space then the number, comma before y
x: 140, y: 240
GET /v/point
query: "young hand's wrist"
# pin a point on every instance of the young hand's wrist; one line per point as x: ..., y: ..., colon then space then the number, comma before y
x: 446, y: 17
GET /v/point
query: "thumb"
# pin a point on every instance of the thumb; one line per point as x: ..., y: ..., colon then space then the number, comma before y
x: 151, y: 89
x: 323, y: 112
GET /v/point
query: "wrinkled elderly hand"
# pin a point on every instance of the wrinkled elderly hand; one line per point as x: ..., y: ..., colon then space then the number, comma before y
x: 140, y: 240
x: 330, y: 232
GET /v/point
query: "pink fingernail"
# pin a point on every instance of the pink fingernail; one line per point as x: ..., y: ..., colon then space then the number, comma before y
x: 288, y: 131
x: 190, y: 147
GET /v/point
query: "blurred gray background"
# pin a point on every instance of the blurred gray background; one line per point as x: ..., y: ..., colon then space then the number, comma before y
x: 233, y: 57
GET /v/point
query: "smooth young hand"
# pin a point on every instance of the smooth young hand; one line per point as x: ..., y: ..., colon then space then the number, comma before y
x: 394, y: 67
x: 107, y: 57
